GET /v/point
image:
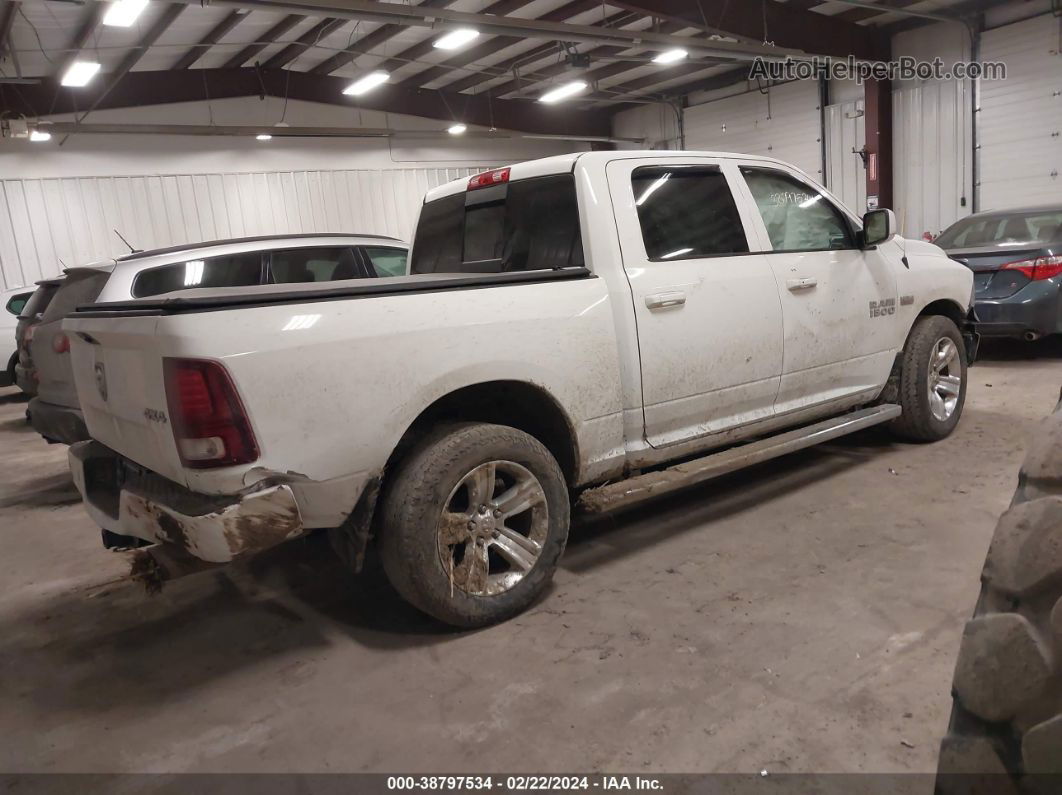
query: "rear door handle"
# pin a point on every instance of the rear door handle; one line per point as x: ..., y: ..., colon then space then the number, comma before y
x: 666, y: 299
x: 800, y: 284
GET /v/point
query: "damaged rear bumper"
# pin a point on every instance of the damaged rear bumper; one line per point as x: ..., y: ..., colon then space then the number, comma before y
x: 129, y: 500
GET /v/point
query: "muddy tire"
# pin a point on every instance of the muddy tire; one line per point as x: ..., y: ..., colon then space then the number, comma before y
x: 473, y: 522
x: 932, y: 387
x: 1007, y: 713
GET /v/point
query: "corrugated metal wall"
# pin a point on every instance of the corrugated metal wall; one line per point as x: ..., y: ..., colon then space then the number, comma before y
x: 1019, y: 124
x: 845, y: 175
x: 784, y: 124
x: 48, y: 223
x: 931, y: 151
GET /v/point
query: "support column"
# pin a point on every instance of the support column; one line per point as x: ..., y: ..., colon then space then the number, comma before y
x: 877, y: 98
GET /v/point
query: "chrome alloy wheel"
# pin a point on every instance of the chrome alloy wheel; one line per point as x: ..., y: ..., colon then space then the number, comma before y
x: 493, y: 528
x: 945, y: 378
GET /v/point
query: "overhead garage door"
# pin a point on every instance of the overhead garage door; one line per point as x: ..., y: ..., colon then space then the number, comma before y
x: 784, y: 123
x: 1019, y: 125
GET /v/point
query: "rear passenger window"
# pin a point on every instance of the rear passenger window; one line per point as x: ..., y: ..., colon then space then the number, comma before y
x: 686, y: 212
x: 232, y: 270
x: 797, y: 216
x: 525, y: 225
x: 17, y: 303
x: 295, y: 265
x: 387, y: 261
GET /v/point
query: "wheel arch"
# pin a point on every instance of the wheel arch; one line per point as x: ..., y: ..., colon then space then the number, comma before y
x: 518, y: 404
x: 947, y: 308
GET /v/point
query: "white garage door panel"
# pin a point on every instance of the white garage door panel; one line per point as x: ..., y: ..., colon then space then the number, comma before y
x: 787, y: 127
x: 846, y: 135
x: 1019, y: 124
x: 48, y: 223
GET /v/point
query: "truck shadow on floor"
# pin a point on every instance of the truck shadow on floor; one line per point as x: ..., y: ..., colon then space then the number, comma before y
x: 48, y: 491
x: 109, y: 645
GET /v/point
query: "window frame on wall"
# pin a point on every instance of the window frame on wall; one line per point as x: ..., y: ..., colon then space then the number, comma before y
x: 845, y: 218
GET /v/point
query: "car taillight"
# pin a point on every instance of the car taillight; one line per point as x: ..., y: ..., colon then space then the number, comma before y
x: 209, y: 422
x: 488, y: 178
x: 27, y: 338
x: 1036, y: 270
x: 61, y: 343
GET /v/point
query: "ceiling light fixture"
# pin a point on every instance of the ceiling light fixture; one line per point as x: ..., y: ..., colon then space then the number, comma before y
x: 263, y: 137
x: 670, y: 56
x: 456, y: 129
x: 123, y: 13
x: 79, y: 73
x: 40, y: 135
x: 456, y: 38
x: 367, y: 83
x: 563, y: 92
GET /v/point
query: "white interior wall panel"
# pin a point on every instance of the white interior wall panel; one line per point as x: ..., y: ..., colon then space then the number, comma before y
x: 932, y: 155
x: 845, y: 135
x: 784, y: 124
x: 1019, y: 122
x: 48, y: 223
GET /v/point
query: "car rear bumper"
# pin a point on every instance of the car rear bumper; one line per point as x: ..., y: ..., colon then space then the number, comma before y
x: 129, y: 500
x: 1036, y: 308
x: 25, y: 380
x: 57, y: 423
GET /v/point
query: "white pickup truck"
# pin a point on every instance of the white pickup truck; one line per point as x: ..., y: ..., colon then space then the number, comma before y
x: 581, y: 331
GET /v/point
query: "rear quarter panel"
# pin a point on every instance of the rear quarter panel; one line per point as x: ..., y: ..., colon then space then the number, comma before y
x: 331, y: 386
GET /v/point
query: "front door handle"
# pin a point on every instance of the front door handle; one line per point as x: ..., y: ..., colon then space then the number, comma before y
x: 665, y: 300
x: 800, y: 284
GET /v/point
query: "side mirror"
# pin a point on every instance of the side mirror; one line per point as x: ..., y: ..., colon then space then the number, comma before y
x: 878, y: 226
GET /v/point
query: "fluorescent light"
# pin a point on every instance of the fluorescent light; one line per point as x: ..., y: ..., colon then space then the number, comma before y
x: 79, y: 73
x: 263, y: 137
x: 193, y: 272
x: 123, y: 13
x: 40, y: 135
x: 456, y: 38
x: 563, y: 92
x: 456, y: 129
x: 367, y: 83
x: 671, y: 56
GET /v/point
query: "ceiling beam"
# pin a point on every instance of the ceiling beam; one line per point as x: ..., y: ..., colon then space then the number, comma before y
x: 897, y: 8
x: 530, y: 56
x: 770, y: 21
x: 858, y: 14
x: 140, y: 88
x: 447, y: 19
x: 8, y: 11
x: 89, y: 22
x: 419, y: 50
x: 495, y: 44
x: 368, y: 42
x: 263, y: 41
x: 210, y: 39
x: 325, y: 27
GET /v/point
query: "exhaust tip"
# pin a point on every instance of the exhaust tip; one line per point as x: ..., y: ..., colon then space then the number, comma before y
x: 1031, y: 336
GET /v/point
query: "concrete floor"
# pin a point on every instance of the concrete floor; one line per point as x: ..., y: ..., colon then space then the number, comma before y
x: 801, y: 616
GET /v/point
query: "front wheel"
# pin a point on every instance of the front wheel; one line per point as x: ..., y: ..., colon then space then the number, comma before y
x: 932, y: 380
x: 473, y: 523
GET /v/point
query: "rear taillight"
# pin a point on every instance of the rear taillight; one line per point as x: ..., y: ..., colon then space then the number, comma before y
x: 1036, y: 270
x: 27, y: 338
x: 209, y: 422
x: 61, y: 343
x: 488, y: 178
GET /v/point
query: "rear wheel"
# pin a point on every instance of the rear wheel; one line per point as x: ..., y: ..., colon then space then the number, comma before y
x: 1007, y: 713
x: 932, y: 387
x: 473, y: 523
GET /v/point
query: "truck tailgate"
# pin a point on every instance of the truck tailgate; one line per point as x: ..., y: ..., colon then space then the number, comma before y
x: 118, y: 372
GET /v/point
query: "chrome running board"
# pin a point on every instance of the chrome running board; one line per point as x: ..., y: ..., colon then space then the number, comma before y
x: 626, y: 493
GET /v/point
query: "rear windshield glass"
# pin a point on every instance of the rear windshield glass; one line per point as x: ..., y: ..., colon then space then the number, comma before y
x: 1004, y: 230
x: 529, y: 224
x: 230, y: 270
x: 387, y: 261
x: 79, y: 287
